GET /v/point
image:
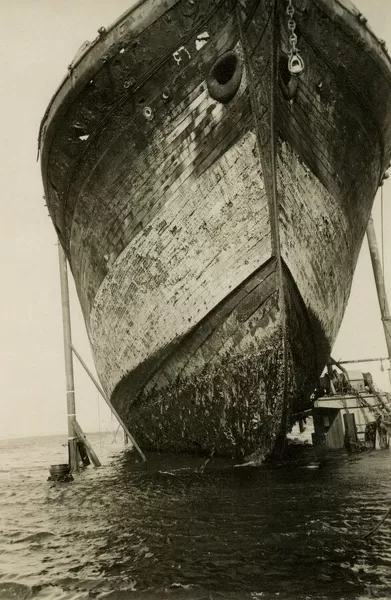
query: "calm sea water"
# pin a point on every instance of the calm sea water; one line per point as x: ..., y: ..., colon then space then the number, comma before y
x: 168, y: 530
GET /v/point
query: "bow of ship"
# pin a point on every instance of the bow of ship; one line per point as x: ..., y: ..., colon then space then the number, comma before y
x: 210, y: 168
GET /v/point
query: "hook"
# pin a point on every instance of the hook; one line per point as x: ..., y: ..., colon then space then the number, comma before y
x: 295, y: 64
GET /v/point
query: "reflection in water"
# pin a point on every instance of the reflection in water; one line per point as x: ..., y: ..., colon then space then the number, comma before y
x: 129, y: 530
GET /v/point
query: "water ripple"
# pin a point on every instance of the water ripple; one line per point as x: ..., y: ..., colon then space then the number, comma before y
x: 167, y: 530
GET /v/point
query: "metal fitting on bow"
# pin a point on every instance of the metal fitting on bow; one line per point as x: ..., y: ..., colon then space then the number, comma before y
x: 296, y: 64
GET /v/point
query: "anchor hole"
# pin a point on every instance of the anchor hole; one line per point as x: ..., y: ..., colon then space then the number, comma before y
x: 225, y: 69
x: 224, y: 77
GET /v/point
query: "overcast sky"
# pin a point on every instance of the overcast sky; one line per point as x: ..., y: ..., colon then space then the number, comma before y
x: 38, y: 39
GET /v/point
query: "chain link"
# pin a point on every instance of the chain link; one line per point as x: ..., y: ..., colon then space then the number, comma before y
x: 295, y: 62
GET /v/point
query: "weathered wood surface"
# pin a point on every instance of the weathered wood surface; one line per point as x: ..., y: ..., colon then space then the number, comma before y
x: 211, y: 297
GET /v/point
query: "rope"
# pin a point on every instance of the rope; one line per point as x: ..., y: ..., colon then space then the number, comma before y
x: 100, y: 433
x: 382, y: 230
x: 115, y: 434
x: 377, y: 526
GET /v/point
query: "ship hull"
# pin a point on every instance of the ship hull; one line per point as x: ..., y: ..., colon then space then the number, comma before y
x: 213, y: 243
x: 228, y: 386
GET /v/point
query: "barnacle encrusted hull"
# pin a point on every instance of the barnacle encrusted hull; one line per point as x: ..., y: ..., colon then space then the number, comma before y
x: 212, y: 207
x: 226, y: 388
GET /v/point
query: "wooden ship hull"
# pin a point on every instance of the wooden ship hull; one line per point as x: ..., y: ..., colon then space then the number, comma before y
x: 212, y: 207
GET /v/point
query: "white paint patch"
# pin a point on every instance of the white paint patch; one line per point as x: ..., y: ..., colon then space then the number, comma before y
x: 177, y: 54
x: 202, y: 39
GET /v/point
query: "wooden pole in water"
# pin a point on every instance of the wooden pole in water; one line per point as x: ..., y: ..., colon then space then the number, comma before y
x: 83, y: 440
x: 69, y: 378
x: 380, y: 285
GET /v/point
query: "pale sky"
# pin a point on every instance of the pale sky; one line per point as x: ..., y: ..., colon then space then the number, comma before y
x: 38, y: 39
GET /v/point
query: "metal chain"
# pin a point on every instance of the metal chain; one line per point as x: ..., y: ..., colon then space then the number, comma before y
x: 290, y: 11
x: 295, y: 61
